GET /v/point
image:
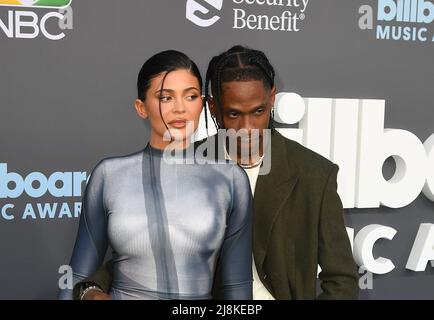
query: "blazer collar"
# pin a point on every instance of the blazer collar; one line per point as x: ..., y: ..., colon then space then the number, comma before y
x: 271, y: 192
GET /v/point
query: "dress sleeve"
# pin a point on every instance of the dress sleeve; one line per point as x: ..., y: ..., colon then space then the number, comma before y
x: 233, y: 279
x: 101, y: 278
x: 91, y: 242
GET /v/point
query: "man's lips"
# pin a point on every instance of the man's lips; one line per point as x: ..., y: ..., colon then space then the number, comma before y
x: 250, y: 139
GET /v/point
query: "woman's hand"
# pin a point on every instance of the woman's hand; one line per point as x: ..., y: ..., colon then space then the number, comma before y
x: 96, y: 295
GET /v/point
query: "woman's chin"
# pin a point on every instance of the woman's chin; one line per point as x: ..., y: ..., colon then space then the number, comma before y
x: 181, y: 134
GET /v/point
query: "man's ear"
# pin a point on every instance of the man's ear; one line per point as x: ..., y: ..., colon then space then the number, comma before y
x: 140, y: 109
x: 212, y: 107
x: 273, y: 96
x: 215, y: 112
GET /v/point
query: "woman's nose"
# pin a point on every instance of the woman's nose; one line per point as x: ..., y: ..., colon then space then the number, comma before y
x: 179, y: 106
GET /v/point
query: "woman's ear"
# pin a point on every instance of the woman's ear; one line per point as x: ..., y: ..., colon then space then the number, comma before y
x: 140, y: 108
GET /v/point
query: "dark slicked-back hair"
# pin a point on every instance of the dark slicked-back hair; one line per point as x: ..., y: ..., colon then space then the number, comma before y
x: 165, y: 61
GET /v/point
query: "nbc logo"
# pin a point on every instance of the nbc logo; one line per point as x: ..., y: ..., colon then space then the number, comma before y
x: 29, y: 25
x: 201, y: 15
x: 36, y: 3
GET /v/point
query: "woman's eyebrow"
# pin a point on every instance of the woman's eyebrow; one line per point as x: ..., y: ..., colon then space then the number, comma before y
x: 191, y: 88
x: 161, y: 90
x: 171, y: 90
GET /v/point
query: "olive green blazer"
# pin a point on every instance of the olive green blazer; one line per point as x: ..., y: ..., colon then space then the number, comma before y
x: 298, y: 223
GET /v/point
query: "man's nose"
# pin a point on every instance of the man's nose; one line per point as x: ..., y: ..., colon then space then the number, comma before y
x: 248, y: 124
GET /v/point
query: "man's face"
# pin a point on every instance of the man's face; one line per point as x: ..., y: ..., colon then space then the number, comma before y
x: 245, y: 105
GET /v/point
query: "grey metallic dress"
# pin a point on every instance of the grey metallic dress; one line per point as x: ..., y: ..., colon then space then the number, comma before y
x: 172, y: 227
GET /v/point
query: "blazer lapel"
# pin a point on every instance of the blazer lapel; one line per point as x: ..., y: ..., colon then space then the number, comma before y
x: 271, y: 192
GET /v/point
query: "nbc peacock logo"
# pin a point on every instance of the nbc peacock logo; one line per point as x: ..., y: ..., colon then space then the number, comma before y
x: 58, y: 4
x: 30, y: 23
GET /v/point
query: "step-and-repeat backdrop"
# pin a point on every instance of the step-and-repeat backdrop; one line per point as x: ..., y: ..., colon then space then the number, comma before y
x: 355, y: 81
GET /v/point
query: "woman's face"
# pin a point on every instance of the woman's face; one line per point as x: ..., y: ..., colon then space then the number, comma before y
x: 181, y: 105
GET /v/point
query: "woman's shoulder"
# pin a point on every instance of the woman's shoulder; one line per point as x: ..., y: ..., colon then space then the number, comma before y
x: 231, y: 170
x: 119, y: 163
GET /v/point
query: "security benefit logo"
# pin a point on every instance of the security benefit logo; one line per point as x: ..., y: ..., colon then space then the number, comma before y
x: 29, y: 19
x: 36, y: 196
x: 399, y: 20
x: 269, y: 15
x: 202, y: 15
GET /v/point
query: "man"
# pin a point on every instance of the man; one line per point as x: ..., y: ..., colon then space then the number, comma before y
x: 298, y: 217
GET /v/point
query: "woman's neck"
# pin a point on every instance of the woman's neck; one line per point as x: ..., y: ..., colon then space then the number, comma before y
x: 159, y: 143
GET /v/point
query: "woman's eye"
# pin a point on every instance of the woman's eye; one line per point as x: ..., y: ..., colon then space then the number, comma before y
x: 165, y: 98
x: 192, y: 98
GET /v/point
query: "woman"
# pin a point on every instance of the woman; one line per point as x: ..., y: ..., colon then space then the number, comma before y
x: 172, y: 226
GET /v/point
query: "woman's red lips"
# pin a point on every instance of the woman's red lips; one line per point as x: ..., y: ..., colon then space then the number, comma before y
x: 178, y: 123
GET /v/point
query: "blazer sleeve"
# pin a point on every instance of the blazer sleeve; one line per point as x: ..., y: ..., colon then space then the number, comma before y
x: 339, y: 277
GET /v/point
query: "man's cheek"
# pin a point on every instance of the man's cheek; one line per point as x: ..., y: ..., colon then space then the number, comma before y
x: 230, y: 124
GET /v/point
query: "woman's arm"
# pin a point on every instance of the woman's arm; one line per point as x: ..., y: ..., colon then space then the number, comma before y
x: 91, y: 242
x: 101, y: 278
x: 233, y: 279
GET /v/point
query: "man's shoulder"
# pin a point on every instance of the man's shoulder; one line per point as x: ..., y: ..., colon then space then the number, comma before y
x: 306, y: 160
